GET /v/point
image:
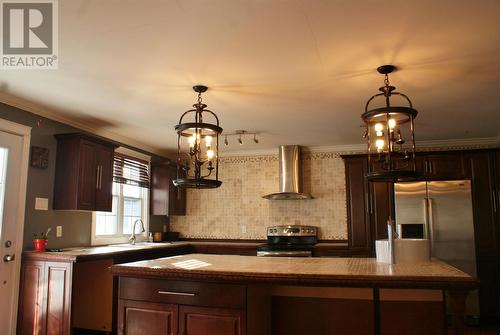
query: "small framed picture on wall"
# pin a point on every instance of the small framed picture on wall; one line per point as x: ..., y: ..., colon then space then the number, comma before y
x: 39, y: 157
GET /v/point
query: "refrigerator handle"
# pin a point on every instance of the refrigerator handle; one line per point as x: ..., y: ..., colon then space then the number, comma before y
x: 427, y: 233
x: 430, y: 219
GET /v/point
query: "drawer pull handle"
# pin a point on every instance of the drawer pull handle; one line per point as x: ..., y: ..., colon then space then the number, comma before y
x: 184, y: 294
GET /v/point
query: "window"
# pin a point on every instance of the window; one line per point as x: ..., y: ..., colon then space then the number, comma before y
x: 130, y: 201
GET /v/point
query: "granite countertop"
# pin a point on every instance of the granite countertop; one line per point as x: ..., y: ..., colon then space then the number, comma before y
x: 76, y: 254
x: 96, y: 252
x: 308, y: 271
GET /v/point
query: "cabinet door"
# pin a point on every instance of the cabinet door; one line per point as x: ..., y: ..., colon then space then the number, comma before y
x: 442, y: 166
x: 104, y: 189
x: 146, y: 318
x: 30, y: 320
x: 205, y: 321
x: 166, y: 199
x: 176, y: 195
x: 381, y: 195
x: 485, y: 232
x: 446, y: 166
x: 357, y: 204
x: 159, y: 190
x: 58, y: 278
x: 45, y: 298
x: 87, y: 178
x: 497, y: 199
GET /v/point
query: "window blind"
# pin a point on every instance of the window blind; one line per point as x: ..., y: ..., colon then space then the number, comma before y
x: 131, y: 171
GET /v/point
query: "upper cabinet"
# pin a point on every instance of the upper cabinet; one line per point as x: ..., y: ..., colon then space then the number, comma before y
x: 441, y: 166
x: 166, y: 199
x: 84, y: 173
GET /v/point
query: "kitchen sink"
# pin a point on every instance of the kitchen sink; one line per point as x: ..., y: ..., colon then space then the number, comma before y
x: 139, y: 245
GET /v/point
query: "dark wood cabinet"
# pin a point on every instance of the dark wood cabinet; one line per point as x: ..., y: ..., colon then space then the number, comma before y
x: 358, y: 201
x: 206, y: 320
x: 380, y: 209
x: 441, y: 166
x: 155, y: 306
x: 368, y: 207
x: 84, y: 173
x: 166, y: 199
x: 147, y: 318
x: 485, y: 211
x: 49, y: 285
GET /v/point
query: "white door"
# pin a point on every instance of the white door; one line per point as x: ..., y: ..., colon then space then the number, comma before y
x: 12, y: 193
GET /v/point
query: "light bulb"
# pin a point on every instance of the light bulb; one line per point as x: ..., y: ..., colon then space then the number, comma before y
x: 225, y: 140
x: 255, y: 138
x: 380, y: 143
x: 378, y: 129
x: 392, y: 124
x: 208, y: 140
x: 191, y: 140
x: 210, y: 154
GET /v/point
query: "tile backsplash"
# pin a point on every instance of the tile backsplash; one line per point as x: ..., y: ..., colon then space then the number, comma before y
x: 237, y: 210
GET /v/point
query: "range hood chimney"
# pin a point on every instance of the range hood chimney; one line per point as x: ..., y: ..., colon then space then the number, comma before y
x: 290, y: 166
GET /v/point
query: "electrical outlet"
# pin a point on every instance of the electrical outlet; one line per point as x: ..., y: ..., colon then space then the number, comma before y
x: 243, y: 229
x: 164, y: 228
x: 59, y: 231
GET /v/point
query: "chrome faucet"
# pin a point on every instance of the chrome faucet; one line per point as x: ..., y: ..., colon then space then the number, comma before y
x: 132, y: 237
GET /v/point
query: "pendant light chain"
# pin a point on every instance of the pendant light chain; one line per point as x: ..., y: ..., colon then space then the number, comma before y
x: 386, y: 80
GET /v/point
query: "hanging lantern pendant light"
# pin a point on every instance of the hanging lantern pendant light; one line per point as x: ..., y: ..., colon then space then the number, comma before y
x: 388, y: 128
x: 198, y: 147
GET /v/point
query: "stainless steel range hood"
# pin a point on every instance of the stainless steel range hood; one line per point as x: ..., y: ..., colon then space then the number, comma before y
x: 290, y: 166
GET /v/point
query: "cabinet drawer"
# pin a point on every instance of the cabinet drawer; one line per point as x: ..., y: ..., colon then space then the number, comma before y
x: 183, y: 292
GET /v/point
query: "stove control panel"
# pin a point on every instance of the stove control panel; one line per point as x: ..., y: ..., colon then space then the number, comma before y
x: 293, y: 230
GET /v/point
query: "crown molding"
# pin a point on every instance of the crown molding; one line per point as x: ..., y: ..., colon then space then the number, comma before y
x: 59, y: 116
x: 428, y: 145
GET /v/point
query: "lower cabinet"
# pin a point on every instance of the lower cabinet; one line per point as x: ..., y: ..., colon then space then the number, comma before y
x: 140, y: 317
x: 152, y: 306
x: 44, y: 304
x: 207, y: 320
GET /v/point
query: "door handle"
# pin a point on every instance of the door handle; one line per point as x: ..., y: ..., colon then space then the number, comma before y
x: 97, y: 178
x: 9, y: 258
x: 100, y: 176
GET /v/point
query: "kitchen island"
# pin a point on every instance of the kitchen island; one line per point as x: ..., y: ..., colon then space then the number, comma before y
x: 227, y: 294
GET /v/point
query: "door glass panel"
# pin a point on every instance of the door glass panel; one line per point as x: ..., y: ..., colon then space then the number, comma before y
x: 3, y: 173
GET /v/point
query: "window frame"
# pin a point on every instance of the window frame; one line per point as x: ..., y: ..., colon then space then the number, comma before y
x: 123, y: 238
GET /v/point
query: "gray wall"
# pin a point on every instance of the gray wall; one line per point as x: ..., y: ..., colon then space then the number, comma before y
x: 76, y: 225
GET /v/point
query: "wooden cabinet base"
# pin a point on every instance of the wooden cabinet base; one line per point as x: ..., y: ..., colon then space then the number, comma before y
x: 49, y: 284
x: 146, y: 318
x: 203, y: 321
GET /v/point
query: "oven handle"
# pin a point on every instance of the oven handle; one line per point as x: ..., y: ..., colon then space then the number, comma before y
x: 302, y: 253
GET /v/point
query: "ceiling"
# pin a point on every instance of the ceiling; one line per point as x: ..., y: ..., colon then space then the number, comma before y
x: 298, y: 72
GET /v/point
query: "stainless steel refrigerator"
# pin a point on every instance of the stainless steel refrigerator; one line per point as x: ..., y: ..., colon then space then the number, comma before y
x: 442, y: 212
